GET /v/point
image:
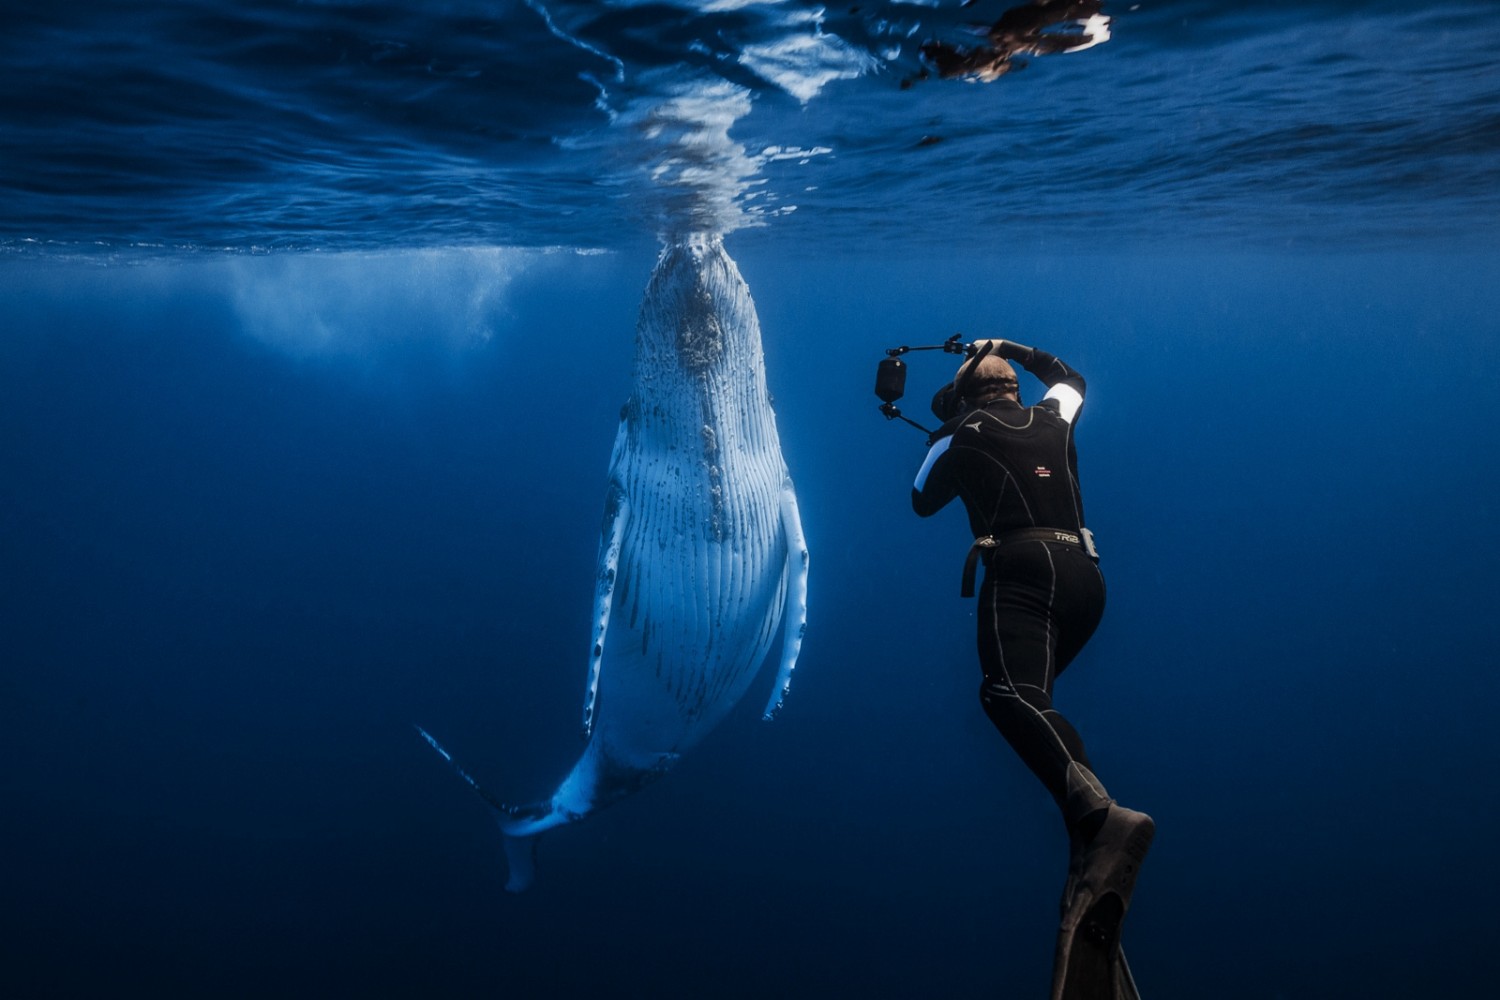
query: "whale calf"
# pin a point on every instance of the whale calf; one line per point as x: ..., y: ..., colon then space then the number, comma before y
x: 701, y: 554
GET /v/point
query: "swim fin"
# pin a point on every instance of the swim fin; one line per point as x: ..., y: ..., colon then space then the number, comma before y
x: 1089, y: 964
x: 1124, y: 978
x: 1095, y: 967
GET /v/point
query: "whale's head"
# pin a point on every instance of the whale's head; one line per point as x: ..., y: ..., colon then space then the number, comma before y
x: 696, y: 313
x: 699, y: 330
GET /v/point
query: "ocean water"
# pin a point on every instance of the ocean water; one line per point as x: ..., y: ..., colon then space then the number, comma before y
x: 315, y: 323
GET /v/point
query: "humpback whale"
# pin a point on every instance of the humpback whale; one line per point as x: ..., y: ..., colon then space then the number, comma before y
x: 701, y: 553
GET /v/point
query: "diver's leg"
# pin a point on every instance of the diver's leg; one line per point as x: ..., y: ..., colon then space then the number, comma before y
x: 1078, y: 604
x: 1109, y: 841
x: 1025, y: 608
x: 1037, y: 608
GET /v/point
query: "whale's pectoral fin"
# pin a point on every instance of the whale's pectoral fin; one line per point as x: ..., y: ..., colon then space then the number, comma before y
x: 611, y: 539
x: 794, y: 617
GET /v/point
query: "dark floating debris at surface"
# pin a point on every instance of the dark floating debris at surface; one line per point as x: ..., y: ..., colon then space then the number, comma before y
x: 1047, y: 27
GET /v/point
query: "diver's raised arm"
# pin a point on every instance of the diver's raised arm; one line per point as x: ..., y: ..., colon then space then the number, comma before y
x: 1064, y: 384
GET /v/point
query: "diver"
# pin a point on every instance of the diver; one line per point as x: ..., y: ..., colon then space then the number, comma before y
x: 1016, y: 471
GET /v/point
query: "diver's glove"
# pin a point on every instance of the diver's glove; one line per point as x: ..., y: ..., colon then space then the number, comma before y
x: 1007, y: 349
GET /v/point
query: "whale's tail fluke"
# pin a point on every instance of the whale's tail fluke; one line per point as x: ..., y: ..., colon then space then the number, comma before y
x: 520, y: 825
x: 520, y: 857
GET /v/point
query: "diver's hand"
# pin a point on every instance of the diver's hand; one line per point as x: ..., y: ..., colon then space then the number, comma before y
x: 1007, y: 349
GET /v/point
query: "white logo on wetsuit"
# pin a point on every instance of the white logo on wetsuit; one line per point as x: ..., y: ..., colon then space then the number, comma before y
x: 975, y: 425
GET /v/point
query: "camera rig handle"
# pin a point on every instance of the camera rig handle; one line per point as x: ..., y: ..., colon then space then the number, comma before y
x: 890, y: 375
x: 953, y: 345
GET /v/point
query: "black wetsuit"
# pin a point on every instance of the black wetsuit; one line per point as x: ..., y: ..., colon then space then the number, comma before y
x: 1015, y: 468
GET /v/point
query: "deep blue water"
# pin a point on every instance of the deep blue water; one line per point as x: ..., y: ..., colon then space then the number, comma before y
x: 262, y: 511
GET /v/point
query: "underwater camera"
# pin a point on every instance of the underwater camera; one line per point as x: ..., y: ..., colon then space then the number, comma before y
x: 890, y: 375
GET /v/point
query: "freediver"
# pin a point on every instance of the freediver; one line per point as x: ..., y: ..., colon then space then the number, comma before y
x: 1016, y: 470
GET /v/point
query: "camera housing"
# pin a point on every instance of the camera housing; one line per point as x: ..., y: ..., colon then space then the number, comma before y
x: 890, y: 380
x: 890, y: 375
